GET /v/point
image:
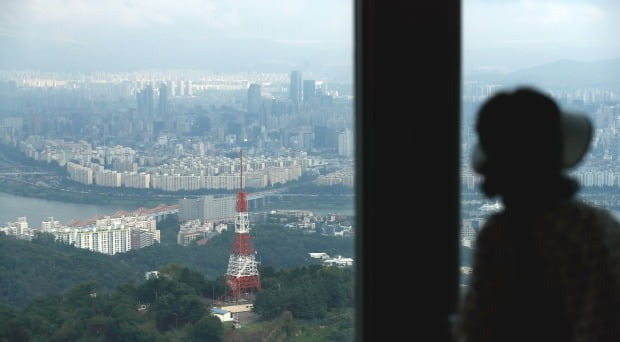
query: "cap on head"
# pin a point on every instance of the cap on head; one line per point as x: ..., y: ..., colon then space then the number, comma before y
x: 525, y: 131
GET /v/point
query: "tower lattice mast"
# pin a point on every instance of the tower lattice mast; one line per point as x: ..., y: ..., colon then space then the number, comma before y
x: 242, y: 274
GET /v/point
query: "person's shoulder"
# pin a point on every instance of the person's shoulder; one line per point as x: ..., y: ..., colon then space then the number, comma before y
x: 493, y: 228
x: 599, y: 220
x: 594, y: 214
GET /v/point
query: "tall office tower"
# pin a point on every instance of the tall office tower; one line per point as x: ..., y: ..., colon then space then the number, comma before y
x: 309, y: 92
x: 294, y: 91
x: 242, y: 275
x: 148, y: 99
x: 144, y: 99
x: 140, y: 102
x: 180, y: 88
x: 254, y: 98
x: 171, y: 89
x: 189, y: 91
x: 163, y: 100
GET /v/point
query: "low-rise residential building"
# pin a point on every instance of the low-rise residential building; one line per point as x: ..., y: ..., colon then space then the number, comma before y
x: 223, y: 315
x: 19, y: 229
x: 151, y: 275
x: 193, y: 230
x: 338, y: 261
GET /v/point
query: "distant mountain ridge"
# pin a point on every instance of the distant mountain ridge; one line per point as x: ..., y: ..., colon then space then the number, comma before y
x: 559, y: 74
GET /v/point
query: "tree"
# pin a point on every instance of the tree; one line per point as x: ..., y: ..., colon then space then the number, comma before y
x: 208, y: 329
x: 271, y: 302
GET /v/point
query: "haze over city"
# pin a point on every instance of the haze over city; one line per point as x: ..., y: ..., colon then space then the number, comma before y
x: 219, y: 36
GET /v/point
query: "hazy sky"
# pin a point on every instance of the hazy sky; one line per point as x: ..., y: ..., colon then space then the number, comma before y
x: 511, y: 34
x: 280, y: 35
x: 244, y: 35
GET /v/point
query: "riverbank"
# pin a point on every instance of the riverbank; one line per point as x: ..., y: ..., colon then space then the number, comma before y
x: 319, y: 204
x: 25, y: 189
x: 37, y: 210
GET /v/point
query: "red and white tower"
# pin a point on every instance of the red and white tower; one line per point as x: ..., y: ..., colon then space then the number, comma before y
x: 242, y: 275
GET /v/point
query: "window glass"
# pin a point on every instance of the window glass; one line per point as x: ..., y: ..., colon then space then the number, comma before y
x: 568, y: 50
x: 199, y: 153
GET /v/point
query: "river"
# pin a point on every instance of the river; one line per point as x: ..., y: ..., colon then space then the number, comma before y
x: 37, y: 210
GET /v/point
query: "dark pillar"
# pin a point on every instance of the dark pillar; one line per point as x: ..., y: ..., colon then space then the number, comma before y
x: 407, y: 99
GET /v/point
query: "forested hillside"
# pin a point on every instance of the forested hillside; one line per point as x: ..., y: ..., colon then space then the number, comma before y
x: 310, y: 303
x: 40, y: 267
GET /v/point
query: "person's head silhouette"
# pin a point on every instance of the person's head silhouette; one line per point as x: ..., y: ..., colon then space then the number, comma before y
x: 525, y: 143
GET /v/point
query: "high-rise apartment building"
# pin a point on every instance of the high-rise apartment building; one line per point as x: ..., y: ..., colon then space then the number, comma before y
x: 108, y: 240
x: 171, y: 88
x: 108, y: 235
x: 188, y: 90
x: 208, y: 208
x: 345, y: 144
x: 180, y: 88
x: 144, y: 100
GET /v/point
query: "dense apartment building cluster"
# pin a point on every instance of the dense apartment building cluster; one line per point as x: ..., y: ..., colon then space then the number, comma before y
x: 469, y: 231
x: 117, y: 167
x: 587, y: 177
x: 306, y: 221
x: 469, y: 179
x: 58, y: 150
x: 107, y: 235
x: 216, y: 172
x: 345, y: 177
x: 598, y: 178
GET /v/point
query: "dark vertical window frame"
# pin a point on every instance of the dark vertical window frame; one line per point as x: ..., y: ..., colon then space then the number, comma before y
x: 407, y: 79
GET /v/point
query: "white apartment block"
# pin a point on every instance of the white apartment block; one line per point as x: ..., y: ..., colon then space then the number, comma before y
x: 136, y: 180
x: 79, y: 173
x: 108, y: 178
x: 344, y: 177
x: 110, y: 235
x: 108, y: 240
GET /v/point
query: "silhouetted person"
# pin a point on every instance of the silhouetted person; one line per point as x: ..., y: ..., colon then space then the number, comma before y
x: 542, y: 268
